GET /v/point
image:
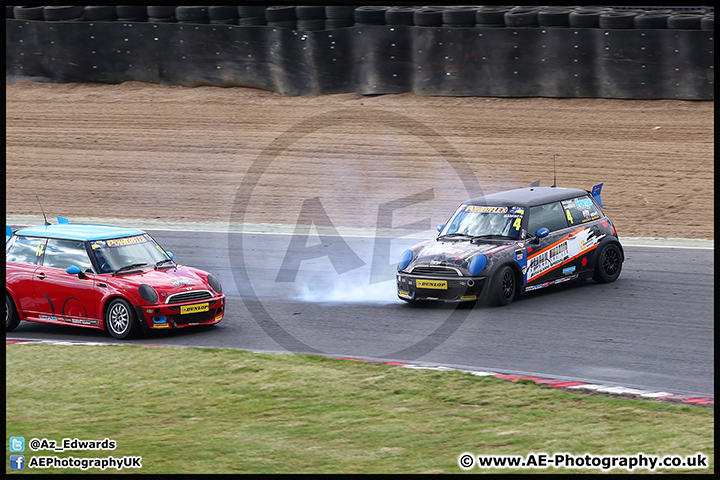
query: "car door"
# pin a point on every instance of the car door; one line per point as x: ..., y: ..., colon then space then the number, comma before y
x: 546, y: 259
x: 22, y: 259
x: 61, y: 296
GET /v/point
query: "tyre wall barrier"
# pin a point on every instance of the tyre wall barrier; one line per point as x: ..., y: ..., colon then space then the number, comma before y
x: 488, y: 59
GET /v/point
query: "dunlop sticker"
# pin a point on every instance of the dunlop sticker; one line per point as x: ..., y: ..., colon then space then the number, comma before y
x: 436, y: 284
x: 201, y: 307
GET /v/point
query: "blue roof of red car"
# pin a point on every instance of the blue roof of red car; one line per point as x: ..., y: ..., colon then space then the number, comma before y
x: 78, y: 231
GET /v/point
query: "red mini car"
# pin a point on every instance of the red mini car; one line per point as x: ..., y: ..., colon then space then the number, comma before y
x: 102, y: 277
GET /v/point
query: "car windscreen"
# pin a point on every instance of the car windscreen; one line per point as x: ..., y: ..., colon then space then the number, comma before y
x: 117, y: 253
x: 485, y: 221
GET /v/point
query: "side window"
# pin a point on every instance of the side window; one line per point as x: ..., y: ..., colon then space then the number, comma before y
x: 550, y: 216
x: 580, y: 210
x: 26, y: 250
x: 65, y: 253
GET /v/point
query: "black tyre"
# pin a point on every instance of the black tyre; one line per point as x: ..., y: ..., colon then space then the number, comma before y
x: 609, y: 264
x: 252, y: 21
x: 310, y: 12
x: 370, y: 15
x: 428, y: 17
x: 684, y: 22
x: 28, y: 13
x: 311, y: 25
x: 194, y: 14
x: 554, y: 17
x: 12, y: 319
x: 280, y: 13
x: 651, y: 20
x: 161, y: 11
x: 617, y: 19
x: 459, y: 16
x: 522, y: 17
x: 136, y: 12
x: 120, y: 319
x: 333, y: 23
x: 400, y: 15
x: 291, y: 24
x: 222, y: 12
x: 100, y: 12
x: 585, y: 18
x: 56, y: 13
x: 340, y: 12
x: 503, y: 287
x: 707, y: 22
x: 491, y: 15
x: 248, y: 11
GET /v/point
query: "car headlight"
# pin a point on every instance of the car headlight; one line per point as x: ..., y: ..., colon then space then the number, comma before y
x: 148, y: 293
x: 477, y: 264
x: 214, y: 283
x: 405, y: 259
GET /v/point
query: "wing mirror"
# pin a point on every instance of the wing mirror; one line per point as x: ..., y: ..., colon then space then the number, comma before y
x: 540, y: 233
x: 440, y: 227
x: 75, y: 270
x: 170, y: 254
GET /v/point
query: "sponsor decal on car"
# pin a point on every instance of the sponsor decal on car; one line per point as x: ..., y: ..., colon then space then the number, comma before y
x: 200, y: 307
x: 563, y: 251
x: 436, y: 284
x: 484, y: 209
x: 530, y: 288
x: 117, y: 242
x: 77, y: 321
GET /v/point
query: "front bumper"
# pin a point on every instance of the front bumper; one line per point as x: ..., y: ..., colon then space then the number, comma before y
x: 442, y: 289
x: 181, y: 315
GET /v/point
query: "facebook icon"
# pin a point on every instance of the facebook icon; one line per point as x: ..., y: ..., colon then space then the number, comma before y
x: 17, y: 462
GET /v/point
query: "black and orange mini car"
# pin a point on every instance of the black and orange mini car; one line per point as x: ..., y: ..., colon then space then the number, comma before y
x: 499, y: 246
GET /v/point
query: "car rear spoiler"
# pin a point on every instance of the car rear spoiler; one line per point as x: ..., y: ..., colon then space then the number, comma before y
x: 596, y: 193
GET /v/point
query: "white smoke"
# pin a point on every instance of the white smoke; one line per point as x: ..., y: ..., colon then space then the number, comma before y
x: 351, y: 287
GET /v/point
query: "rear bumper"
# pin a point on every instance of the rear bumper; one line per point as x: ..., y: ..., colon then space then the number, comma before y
x: 441, y: 289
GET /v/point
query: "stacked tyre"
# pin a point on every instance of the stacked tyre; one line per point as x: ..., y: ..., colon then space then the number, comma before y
x: 282, y: 16
x: 161, y: 14
x: 339, y: 16
x: 101, y: 13
x: 369, y: 15
x: 64, y: 13
x: 310, y: 17
x: 192, y: 14
x: 223, y: 14
x: 251, y: 14
x: 131, y: 13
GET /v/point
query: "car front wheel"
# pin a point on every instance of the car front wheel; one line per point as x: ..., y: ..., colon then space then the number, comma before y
x: 12, y: 319
x: 609, y: 264
x: 503, y: 287
x: 120, y: 319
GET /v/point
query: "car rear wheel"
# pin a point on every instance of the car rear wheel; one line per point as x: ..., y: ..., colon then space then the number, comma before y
x: 12, y: 319
x: 503, y: 287
x: 609, y: 264
x: 120, y: 319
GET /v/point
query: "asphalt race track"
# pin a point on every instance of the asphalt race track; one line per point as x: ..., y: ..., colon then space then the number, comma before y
x: 652, y: 329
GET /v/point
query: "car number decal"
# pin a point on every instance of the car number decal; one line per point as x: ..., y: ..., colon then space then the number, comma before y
x: 436, y: 284
x: 200, y: 307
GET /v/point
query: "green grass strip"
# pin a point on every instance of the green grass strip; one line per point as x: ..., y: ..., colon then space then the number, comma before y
x: 203, y: 411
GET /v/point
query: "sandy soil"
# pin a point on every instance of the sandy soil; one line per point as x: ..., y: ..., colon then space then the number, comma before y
x: 146, y: 151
